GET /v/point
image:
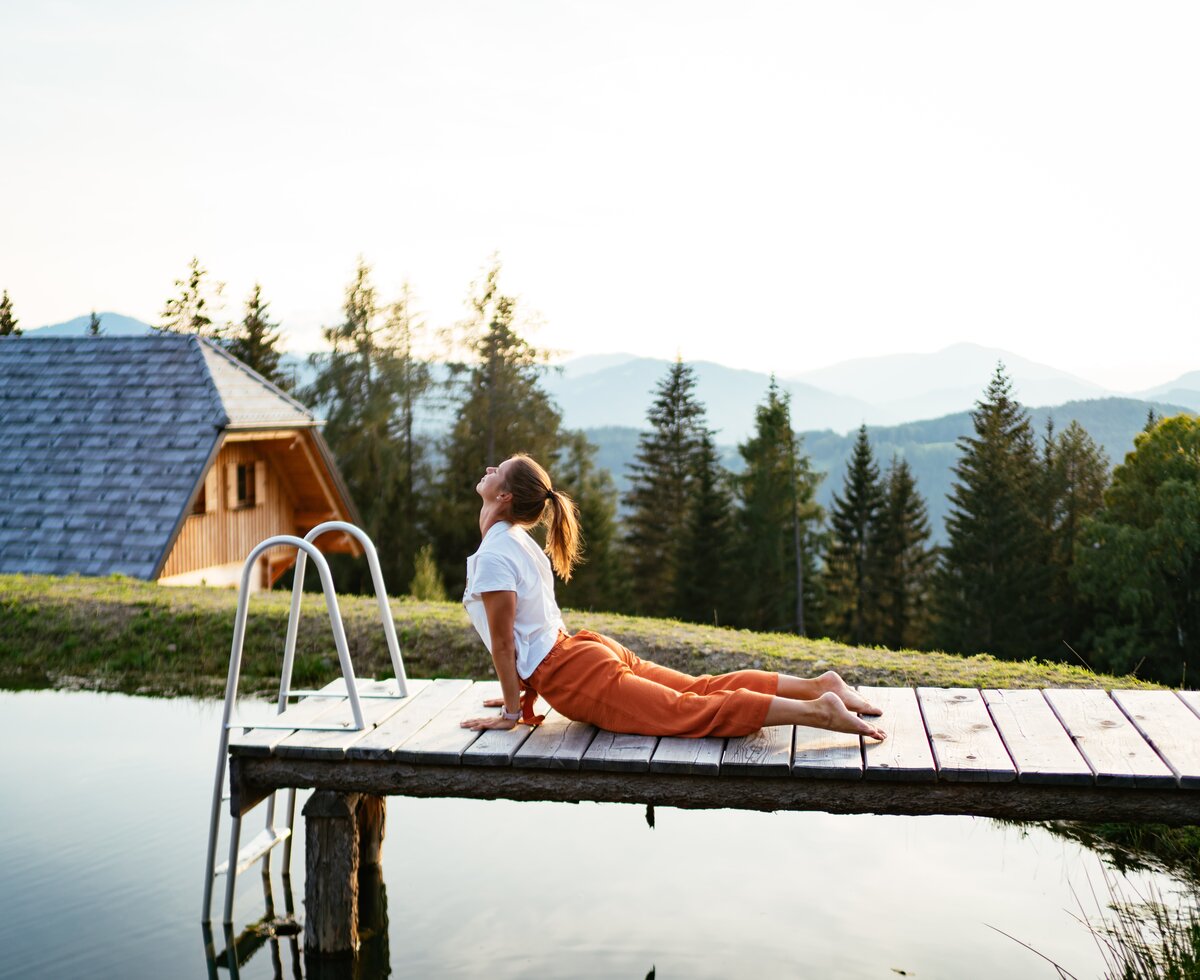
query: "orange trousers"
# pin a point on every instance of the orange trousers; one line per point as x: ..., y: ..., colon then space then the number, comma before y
x: 592, y: 678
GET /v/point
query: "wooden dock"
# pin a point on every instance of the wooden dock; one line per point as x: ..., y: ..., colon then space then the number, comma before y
x: 1084, y: 755
x: 1022, y: 754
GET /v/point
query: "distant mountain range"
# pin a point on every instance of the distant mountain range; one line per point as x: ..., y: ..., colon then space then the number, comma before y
x: 916, y: 405
x: 930, y: 447
x: 602, y: 390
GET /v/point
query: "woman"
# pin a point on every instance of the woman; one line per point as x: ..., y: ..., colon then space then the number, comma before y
x: 589, y: 677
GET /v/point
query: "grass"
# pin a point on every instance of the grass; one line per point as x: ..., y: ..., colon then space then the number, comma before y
x: 123, y: 634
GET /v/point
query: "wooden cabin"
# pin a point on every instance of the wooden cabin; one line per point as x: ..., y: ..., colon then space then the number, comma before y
x: 159, y: 457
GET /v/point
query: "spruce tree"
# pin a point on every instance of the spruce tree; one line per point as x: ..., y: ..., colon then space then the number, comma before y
x: 601, y: 580
x: 256, y: 343
x: 8, y: 322
x: 905, y: 560
x: 775, y: 549
x: 852, y: 558
x: 706, y: 557
x: 193, y: 309
x: 992, y: 591
x: 1075, y: 475
x: 94, y: 329
x: 501, y: 409
x: 359, y: 385
x: 662, y: 479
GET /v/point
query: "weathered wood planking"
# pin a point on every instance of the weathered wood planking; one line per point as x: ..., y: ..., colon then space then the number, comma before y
x: 1168, y: 725
x: 497, y: 747
x: 1112, y: 746
x: 557, y: 743
x: 310, y: 711
x: 966, y: 746
x: 818, y: 754
x: 767, y: 752
x: 615, y: 752
x: 381, y: 743
x: 1039, y: 745
x: 905, y: 753
x: 333, y: 745
x: 443, y: 740
x: 1191, y: 699
x: 698, y: 756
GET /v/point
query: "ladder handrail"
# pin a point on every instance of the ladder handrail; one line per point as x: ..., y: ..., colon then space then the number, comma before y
x: 385, y: 610
x: 304, y: 547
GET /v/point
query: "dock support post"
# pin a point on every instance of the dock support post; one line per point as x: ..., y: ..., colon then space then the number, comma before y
x: 343, y: 836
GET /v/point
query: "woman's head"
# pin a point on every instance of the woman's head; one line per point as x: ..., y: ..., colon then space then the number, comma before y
x: 534, y: 500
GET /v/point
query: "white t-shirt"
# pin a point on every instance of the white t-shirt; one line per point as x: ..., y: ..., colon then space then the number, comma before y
x: 509, y: 560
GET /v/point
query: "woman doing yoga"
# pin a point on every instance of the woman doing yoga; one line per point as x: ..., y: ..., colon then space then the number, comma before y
x: 592, y: 678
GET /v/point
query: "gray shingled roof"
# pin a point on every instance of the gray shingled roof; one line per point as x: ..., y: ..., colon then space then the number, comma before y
x: 103, y: 441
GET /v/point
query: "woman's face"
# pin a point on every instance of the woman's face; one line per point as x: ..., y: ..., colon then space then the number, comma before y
x: 494, y: 481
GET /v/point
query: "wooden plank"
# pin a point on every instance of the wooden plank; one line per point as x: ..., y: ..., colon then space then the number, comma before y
x: 333, y: 745
x: 558, y: 743
x: 1191, y: 699
x: 615, y: 752
x: 310, y: 711
x: 905, y: 753
x: 1118, y: 755
x: 1170, y: 727
x: 497, y: 747
x: 766, y: 752
x: 819, y: 754
x: 698, y: 756
x: 381, y: 743
x: 966, y: 746
x: 1039, y: 745
x: 443, y: 740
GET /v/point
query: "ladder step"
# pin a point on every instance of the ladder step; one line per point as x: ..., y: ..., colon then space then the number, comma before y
x: 249, y: 853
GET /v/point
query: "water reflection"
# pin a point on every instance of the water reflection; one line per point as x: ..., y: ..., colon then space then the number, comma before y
x: 267, y: 931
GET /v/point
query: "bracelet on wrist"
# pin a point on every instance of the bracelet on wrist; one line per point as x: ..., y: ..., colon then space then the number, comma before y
x: 510, y: 715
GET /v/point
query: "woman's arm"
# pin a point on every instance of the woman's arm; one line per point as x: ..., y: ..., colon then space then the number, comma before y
x: 501, y: 609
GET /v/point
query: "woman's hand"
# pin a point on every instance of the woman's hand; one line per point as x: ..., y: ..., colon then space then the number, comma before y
x: 496, y: 722
x: 493, y: 702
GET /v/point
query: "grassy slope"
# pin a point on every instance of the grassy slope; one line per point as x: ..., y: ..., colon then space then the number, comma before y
x: 127, y: 635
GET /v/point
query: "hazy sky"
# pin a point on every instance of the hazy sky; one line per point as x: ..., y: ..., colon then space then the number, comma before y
x: 772, y: 185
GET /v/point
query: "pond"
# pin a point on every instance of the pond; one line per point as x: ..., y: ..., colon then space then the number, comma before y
x: 103, y: 826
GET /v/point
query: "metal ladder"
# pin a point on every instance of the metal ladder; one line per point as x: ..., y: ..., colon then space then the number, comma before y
x: 260, y: 847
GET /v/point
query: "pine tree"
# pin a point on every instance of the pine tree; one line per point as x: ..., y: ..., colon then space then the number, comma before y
x: 660, y: 497
x: 706, y: 557
x: 359, y: 383
x: 601, y: 580
x: 905, y: 560
x: 94, y: 329
x: 192, y: 311
x: 8, y: 322
x: 501, y: 410
x: 992, y: 589
x: 256, y: 344
x: 852, y: 560
x: 776, y: 546
x: 1076, y: 476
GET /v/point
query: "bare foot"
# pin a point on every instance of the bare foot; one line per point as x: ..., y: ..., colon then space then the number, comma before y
x: 832, y: 681
x: 839, y: 718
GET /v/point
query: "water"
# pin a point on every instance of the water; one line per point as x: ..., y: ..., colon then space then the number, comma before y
x: 103, y: 825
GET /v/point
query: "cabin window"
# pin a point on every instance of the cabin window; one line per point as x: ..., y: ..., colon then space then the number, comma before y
x: 201, y: 504
x: 246, y: 485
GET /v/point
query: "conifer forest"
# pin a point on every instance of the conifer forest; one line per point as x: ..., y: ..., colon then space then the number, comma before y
x: 1050, y: 551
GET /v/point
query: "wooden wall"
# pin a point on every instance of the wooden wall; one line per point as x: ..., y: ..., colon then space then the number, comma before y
x: 224, y: 534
